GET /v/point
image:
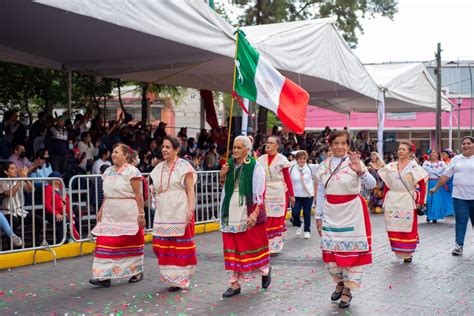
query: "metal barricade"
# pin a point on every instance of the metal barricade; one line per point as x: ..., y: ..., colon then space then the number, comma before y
x: 26, y: 215
x: 86, y: 196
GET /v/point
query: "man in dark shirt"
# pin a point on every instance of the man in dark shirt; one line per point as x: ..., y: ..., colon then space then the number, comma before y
x: 56, y: 142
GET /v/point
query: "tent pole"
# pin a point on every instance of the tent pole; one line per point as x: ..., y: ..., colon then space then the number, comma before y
x: 380, y: 122
x: 69, y: 94
x: 450, y: 128
x: 349, y: 121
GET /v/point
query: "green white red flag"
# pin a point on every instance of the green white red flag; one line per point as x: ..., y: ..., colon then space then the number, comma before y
x: 257, y: 80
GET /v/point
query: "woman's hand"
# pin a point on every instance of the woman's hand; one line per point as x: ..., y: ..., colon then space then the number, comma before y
x: 292, y: 201
x: 432, y: 191
x: 141, y: 220
x: 225, y: 169
x: 189, y: 217
x: 319, y: 226
x: 252, y: 220
x: 355, y: 163
x: 99, y: 216
x: 59, y: 217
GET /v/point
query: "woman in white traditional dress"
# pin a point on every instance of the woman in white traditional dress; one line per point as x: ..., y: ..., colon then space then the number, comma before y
x: 278, y: 189
x: 120, y: 222
x: 173, y: 227
x: 342, y: 217
x: 401, y: 200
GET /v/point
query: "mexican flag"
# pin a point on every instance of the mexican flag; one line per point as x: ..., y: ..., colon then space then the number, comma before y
x: 258, y: 81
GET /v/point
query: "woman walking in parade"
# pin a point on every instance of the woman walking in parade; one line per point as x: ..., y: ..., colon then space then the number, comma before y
x: 376, y: 195
x: 278, y: 189
x: 121, y: 219
x: 243, y: 218
x: 402, y: 199
x: 302, y: 177
x: 439, y: 204
x: 461, y: 169
x: 173, y: 227
x: 342, y: 217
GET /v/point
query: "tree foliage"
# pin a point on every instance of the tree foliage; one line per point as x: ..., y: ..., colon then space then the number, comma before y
x: 348, y: 13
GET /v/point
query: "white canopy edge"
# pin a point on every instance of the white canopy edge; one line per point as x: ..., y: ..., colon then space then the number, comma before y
x: 408, y: 83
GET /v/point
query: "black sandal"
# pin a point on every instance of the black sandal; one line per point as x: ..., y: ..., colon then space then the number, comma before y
x: 337, y: 295
x: 343, y: 304
x: 136, y: 278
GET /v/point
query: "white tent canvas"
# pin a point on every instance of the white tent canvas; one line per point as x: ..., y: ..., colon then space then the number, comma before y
x: 180, y: 42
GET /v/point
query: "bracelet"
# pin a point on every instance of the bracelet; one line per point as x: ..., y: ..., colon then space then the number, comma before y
x: 142, y: 215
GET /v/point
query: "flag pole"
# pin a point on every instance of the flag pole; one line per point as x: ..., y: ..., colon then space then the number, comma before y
x: 232, y: 101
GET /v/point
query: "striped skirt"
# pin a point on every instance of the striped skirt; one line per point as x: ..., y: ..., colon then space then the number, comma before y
x: 246, y: 254
x: 404, y: 244
x: 176, y: 257
x: 118, y: 256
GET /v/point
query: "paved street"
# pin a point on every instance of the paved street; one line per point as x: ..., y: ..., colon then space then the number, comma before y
x: 435, y: 283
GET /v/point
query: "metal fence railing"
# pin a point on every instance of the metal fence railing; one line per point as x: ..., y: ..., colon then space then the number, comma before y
x: 86, y: 196
x: 31, y: 218
x: 41, y: 229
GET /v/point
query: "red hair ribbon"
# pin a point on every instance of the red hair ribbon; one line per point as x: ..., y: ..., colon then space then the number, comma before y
x: 130, y: 150
x: 413, y: 147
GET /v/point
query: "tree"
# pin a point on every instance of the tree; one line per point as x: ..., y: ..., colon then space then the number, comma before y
x: 348, y: 13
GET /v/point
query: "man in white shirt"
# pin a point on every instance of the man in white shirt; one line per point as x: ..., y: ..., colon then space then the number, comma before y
x: 104, y: 155
x: 462, y: 168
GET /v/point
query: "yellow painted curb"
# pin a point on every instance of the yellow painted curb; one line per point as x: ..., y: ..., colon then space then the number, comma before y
x: 20, y: 259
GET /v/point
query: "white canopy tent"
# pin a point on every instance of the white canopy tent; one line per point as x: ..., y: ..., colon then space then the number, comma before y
x: 180, y: 42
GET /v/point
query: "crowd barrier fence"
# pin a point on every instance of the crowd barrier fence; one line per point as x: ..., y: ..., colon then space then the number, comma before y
x: 24, y: 213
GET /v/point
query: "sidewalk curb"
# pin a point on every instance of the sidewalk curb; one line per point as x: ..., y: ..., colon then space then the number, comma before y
x: 71, y: 250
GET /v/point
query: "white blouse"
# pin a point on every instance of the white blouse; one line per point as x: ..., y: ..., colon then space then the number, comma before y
x: 367, y: 181
x: 462, y: 168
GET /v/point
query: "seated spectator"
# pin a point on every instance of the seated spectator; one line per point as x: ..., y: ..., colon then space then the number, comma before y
x: 19, y: 159
x: 211, y: 159
x: 15, y: 131
x: 55, y: 206
x: 44, y: 167
x: 89, y: 150
x: 104, y: 155
x: 13, y: 199
x: 5, y: 226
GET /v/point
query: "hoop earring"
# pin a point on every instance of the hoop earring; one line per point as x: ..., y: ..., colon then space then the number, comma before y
x: 247, y: 161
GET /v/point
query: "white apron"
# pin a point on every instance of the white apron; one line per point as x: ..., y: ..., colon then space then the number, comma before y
x: 399, y: 202
x: 275, y: 194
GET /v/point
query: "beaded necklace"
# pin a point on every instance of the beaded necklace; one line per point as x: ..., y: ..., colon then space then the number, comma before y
x: 160, y: 190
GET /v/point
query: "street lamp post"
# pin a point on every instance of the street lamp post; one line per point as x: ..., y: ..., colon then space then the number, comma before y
x: 459, y: 103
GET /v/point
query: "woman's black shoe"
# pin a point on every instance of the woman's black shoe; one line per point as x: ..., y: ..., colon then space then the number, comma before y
x: 435, y: 221
x: 267, y: 279
x: 409, y: 260
x: 231, y: 292
x: 174, y: 289
x: 103, y: 283
x: 343, y: 304
x: 337, y: 295
x: 136, y: 278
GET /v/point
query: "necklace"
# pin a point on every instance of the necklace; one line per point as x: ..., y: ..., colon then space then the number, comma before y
x: 161, y: 190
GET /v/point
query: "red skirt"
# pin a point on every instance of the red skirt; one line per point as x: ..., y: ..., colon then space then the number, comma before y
x: 246, y: 251
x: 276, y: 226
x: 116, y: 247
x: 177, y: 251
x: 405, y: 242
x: 351, y: 259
